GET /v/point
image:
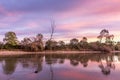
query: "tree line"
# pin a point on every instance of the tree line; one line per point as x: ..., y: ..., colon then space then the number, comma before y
x: 105, y: 43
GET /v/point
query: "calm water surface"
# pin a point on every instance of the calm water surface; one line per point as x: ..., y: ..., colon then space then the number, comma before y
x: 61, y: 67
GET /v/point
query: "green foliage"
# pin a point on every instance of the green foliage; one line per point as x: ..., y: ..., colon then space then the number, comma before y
x: 36, y: 43
x: 33, y: 43
x: 1, y: 45
x: 10, y: 39
x: 61, y: 45
x: 83, y: 43
x: 117, y: 46
x: 74, y: 44
x: 51, y: 45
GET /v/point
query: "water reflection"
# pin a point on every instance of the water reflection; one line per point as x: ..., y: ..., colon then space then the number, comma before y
x: 9, y: 65
x: 51, y: 65
x: 38, y: 62
x: 109, y: 64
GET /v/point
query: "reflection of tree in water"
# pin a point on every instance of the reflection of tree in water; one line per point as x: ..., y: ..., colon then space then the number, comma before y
x: 34, y: 61
x: 51, y: 59
x: 84, y: 60
x: 25, y: 63
x: 38, y: 61
x: 107, y: 66
x: 73, y: 59
x: 61, y: 61
x: 74, y: 62
x: 9, y: 65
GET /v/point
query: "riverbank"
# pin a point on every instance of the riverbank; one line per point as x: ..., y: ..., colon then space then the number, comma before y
x: 3, y: 53
x: 7, y: 53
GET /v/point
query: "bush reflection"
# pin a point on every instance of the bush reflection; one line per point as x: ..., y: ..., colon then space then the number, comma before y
x: 105, y: 61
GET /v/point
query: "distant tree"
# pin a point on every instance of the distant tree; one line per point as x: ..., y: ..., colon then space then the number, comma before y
x: 39, y: 42
x: 109, y: 39
x: 84, y: 39
x: 52, y: 29
x: 33, y: 43
x: 117, y: 46
x: 39, y: 37
x: 74, y: 43
x: 61, y: 45
x: 1, y: 45
x: 51, y: 45
x: 11, y: 38
x: 108, y: 46
x: 26, y: 41
x: 94, y: 45
x: 103, y: 33
x: 83, y: 43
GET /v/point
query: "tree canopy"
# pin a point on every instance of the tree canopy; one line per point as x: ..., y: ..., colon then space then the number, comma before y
x: 10, y: 38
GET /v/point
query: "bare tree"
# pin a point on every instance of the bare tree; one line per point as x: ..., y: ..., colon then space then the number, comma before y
x: 51, y: 37
x: 52, y: 28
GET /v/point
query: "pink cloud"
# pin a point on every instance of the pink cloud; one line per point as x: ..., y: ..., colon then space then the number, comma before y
x: 5, y: 12
x: 93, y: 7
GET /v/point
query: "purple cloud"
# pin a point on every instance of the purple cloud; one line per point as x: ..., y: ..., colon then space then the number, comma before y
x: 27, y: 17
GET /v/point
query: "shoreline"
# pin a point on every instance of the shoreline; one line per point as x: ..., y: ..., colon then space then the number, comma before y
x: 7, y: 53
x: 10, y: 53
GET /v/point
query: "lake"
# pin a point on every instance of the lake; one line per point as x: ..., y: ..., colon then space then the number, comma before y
x: 61, y: 67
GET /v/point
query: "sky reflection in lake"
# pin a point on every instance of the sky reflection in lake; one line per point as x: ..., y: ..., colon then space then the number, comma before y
x: 61, y: 67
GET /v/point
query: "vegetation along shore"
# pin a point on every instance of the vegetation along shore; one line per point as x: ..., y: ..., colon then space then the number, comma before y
x: 105, y: 43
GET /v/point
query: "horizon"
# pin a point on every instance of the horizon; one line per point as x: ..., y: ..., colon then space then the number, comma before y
x: 73, y: 19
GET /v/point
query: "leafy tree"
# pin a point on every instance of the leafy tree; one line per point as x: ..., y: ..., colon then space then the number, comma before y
x: 61, y: 45
x: 103, y: 33
x: 10, y: 38
x: 33, y: 43
x: 51, y: 45
x: 84, y: 43
x: 1, y: 45
x: 39, y: 37
x: 39, y: 41
x: 109, y: 39
x: 25, y: 43
x: 117, y: 46
x: 74, y: 43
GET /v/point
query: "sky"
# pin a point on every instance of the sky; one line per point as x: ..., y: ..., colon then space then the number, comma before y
x: 73, y: 18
